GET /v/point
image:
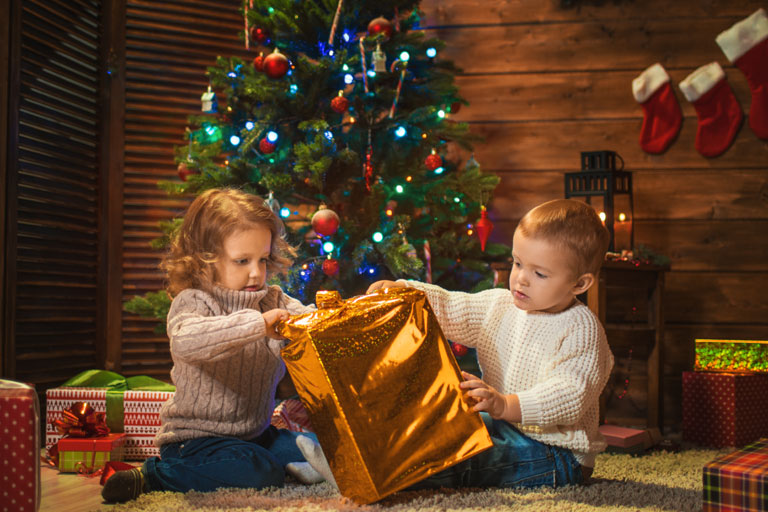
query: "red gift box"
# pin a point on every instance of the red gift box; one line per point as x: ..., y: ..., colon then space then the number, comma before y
x: 738, y: 481
x: 89, y: 454
x: 19, y: 446
x: 724, y: 409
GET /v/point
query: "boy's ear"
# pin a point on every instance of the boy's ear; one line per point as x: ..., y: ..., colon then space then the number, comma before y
x: 583, y: 283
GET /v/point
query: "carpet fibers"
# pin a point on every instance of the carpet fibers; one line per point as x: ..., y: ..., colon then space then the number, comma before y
x: 657, y: 481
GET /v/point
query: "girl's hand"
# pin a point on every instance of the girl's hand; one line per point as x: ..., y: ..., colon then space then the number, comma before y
x: 271, y: 318
x: 378, y: 285
x: 486, y: 398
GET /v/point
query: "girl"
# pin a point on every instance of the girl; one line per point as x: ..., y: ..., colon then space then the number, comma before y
x: 215, y: 431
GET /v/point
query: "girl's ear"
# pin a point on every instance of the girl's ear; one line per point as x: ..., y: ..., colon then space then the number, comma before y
x: 583, y: 283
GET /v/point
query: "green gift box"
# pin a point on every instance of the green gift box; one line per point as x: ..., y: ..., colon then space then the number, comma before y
x: 89, y: 454
x: 734, y: 356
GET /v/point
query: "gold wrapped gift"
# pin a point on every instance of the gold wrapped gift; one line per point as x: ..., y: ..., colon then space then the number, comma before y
x: 382, y: 389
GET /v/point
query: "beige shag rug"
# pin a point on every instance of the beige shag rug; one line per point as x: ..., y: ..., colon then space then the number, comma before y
x: 657, y: 481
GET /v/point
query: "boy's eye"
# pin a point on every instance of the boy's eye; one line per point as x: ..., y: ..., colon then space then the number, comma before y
x: 539, y: 274
x: 517, y: 264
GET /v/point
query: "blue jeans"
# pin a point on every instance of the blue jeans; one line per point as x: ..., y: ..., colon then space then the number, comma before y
x: 208, y: 463
x: 515, y: 460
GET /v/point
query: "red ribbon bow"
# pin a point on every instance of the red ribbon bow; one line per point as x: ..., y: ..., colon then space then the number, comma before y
x: 79, y: 420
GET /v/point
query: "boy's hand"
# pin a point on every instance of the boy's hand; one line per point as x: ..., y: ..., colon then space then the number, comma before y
x: 271, y: 318
x: 498, y: 405
x: 378, y: 285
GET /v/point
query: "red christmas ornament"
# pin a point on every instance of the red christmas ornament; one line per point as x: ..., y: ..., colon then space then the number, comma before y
x: 331, y: 267
x: 433, y: 161
x: 184, y: 171
x: 484, y: 226
x: 459, y: 350
x: 340, y: 104
x: 276, y: 64
x: 259, y: 35
x: 258, y: 62
x: 266, y: 147
x: 325, y: 221
x: 380, y: 25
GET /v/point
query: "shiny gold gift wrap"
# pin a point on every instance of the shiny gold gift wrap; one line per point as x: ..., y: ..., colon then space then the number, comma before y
x: 382, y: 389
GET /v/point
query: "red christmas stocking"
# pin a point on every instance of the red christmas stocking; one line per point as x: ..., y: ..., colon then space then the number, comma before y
x: 746, y: 45
x: 661, y: 112
x: 716, y: 107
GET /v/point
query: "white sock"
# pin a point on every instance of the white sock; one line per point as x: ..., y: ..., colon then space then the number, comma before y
x: 316, y: 458
x: 304, y: 473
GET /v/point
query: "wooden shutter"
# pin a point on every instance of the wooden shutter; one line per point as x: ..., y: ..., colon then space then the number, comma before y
x: 52, y: 259
x: 169, y: 46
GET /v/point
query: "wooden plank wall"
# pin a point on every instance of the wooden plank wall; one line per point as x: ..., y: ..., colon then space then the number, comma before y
x: 549, y: 79
x: 169, y: 46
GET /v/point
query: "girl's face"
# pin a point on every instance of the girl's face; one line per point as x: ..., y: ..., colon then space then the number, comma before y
x: 242, y: 263
x: 541, y: 277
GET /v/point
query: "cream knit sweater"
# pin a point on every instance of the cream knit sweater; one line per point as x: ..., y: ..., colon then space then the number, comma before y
x: 224, y: 367
x: 557, y: 364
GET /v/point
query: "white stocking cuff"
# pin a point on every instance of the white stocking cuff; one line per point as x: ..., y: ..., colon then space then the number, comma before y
x: 698, y: 83
x: 744, y: 35
x: 649, y: 82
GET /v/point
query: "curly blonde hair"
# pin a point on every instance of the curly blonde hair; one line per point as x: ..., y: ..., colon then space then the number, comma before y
x: 573, y: 226
x: 213, y: 216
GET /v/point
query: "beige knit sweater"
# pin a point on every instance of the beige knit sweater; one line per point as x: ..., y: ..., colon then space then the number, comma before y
x: 557, y: 364
x: 224, y: 367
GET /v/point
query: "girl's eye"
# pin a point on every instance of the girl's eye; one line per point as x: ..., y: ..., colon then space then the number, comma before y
x: 264, y: 260
x: 242, y: 261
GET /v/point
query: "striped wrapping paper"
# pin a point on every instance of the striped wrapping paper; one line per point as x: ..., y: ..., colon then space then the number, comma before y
x: 738, y: 481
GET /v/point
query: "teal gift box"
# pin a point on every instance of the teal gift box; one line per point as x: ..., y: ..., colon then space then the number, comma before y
x: 131, y: 405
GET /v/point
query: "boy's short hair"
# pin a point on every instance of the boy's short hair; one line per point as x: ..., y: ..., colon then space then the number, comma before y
x: 572, y: 225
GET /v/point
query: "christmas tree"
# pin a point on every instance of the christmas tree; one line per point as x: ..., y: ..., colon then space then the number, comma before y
x: 342, y: 122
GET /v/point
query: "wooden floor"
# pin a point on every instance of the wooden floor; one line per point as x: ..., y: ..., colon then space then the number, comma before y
x: 68, y: 492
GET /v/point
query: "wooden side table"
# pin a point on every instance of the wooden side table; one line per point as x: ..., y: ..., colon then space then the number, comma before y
x: 624, y: 293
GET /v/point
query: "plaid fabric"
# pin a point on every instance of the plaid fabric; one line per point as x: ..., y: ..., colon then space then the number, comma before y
x: 86, y: 455
x: 738, y: 481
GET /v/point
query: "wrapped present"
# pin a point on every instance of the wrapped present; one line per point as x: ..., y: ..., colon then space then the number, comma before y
x: 142, y: 421
x: 131, y: 405
x: 731, y: 356
x: 381, y: 386
x: 738, y: 481
x: 89, y: 454
x: 724, y: 409
x: 19, y: 446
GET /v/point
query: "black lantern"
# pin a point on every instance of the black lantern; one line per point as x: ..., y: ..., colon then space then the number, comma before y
x: 611, y: 189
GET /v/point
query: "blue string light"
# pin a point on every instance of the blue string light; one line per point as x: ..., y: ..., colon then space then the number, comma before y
x: 439, y: 170
x: 234, y: 140
x: 348, y: 79
x: 377, y: 237
x: 431, y: 52
x: 271, y: 136
x: 400, y: 132
x: 249, y: 125
x: 285, y: 212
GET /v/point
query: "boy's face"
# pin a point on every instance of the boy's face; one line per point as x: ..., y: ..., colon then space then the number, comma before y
x: 542, y: 278
x: 242, y: 263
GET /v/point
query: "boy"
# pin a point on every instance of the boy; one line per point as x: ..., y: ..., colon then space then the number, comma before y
x: 543, y: 354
